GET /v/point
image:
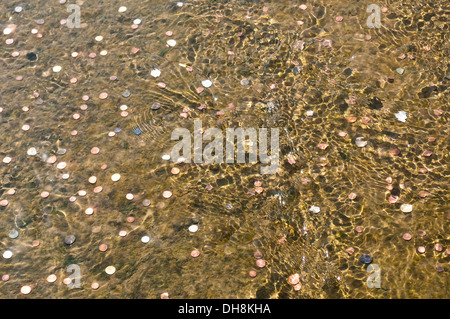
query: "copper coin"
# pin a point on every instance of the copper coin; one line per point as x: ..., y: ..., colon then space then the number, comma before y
x: 350, y: 250
x: 98, y: 189
x: 130, y: 219
x: 175, y: 170
x: 294, y: 279
x: 438, y: 247
x: 195, y: 253
x: 165, y: 295
x: 423, y: 194
x: 258, y: 254
x: 421, y: 249
x: 422, y: 233
x: 52, y: 159
x: 103, y: 247
x: 407, y: 236
x: 252, y: 273
x: 261, y: 263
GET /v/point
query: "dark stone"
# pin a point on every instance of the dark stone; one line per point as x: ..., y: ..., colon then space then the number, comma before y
x: 31, y: 56
x: 375, y: 103
x: 347, y: 72
x: 365, y: 259
x: 427, y: 91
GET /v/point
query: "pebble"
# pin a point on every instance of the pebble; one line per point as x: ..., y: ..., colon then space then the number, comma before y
x: 359, y: 141
x: 314, y: 209
x: 406, y: 208
x: 155, y: 73
x: 401, y: 116
x: 206, y: 83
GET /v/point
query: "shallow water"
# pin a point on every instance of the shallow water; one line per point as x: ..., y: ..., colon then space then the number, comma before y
x: 347, y: 87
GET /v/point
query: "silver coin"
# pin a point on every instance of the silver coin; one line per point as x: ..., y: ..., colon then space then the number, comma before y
x: 13, y: 233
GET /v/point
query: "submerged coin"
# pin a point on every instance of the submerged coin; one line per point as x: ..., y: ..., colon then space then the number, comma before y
x: 167, y: 194
x: 193, y: 228
x: 51, y: 278
x: 7, y: 254
x: 407, y: 236
x: 146, y: 202
x: 110, y: 270
x: 365, y: 259
x: 261, y: 263
x: 25, y: 290
x: 69, y: 239
x: 13, y: 234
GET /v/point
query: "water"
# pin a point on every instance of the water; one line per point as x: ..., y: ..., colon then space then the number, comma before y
x: 312, y: 80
